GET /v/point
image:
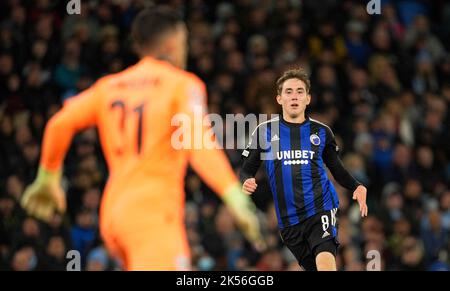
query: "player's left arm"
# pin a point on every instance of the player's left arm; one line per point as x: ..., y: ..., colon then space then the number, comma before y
x: 78, y: 113
x: 212, y: 165
x: 331, y: 158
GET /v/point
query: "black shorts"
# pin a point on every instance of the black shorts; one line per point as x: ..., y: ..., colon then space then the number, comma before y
x: 316, y: 234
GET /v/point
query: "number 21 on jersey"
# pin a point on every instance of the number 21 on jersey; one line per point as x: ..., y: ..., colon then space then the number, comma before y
x: 128, y: 123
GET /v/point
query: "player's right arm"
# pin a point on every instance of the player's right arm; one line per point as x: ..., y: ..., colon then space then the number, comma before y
x: 212, y: 165
x: 45, y: 194
x: 251, y: 161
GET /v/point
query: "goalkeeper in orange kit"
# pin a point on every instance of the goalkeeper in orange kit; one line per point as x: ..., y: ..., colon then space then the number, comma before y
x: 142, y: 209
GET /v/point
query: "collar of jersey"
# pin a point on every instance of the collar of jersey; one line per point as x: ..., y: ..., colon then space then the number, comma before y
x: 290, y: 124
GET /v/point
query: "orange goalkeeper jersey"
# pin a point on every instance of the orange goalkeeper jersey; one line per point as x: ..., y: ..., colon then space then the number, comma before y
x: 134, y: 111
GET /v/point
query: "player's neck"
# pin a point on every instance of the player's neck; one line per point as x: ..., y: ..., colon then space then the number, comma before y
x: 160, y: 56
x: 164, y: 57
x: 298, y: 119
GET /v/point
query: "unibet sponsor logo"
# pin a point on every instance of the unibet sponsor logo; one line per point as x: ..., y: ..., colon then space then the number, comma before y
x: 295, y: 157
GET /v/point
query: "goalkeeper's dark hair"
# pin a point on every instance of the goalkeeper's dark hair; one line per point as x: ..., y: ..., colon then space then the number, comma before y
x: 151, y: 23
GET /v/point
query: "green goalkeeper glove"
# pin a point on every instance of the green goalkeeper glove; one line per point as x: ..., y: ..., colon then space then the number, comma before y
x: 45, y: 195
x: 244, y: 211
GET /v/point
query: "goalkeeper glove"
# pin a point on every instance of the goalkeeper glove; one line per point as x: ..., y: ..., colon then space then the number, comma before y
x: 244, y: 211
x: 44, y: 195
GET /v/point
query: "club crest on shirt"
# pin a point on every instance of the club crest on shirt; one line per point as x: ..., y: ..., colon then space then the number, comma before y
x: 315, y: 139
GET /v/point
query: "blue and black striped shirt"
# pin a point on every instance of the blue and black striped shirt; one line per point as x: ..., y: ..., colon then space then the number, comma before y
x: 295, y: 155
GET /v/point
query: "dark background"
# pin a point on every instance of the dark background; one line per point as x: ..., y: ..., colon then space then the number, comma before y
x: 382, y: 83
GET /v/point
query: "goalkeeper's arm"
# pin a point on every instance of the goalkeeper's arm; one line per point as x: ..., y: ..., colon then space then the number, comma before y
x: 45, y: 194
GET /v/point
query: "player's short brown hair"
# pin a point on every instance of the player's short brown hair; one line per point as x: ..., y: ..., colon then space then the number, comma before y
x: 153, y: 22
x: 293, y: 74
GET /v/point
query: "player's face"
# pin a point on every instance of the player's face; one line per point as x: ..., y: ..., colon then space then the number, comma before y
x: 179, y: 50
x: 294, y: 98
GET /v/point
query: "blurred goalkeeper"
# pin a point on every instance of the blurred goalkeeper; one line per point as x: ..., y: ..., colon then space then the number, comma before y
x: 142, y: 210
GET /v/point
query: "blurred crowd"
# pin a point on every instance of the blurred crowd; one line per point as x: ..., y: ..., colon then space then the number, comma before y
x: 381, y: 82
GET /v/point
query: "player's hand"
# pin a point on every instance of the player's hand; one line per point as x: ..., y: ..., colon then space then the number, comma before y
x: 360, y: 194
x: 249, y: 186
x: 244, y: 211
x: 44, y: 196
